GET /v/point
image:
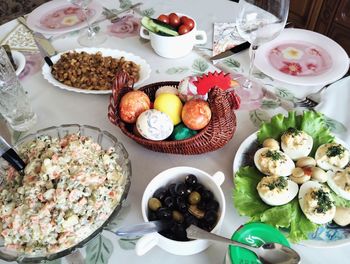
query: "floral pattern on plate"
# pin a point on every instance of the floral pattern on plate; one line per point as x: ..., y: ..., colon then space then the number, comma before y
x: 65, y: 17
x: 300, y: 59
x: 128, y: 26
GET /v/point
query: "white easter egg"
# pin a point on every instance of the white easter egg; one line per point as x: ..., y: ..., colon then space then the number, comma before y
x: 154, y: 125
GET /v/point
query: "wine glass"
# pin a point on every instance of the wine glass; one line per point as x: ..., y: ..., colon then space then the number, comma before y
x: 258, y: 22
x: 89, y: 37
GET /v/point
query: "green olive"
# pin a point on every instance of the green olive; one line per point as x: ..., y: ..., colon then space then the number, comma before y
x: 177, y: 216
x: 154, y: 204
x: 194, y: 198
x: 196, y: 212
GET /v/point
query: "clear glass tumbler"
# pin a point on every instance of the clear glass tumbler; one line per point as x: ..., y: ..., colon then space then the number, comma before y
x: 14, y: 102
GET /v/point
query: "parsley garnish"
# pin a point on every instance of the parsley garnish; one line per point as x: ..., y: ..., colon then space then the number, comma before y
x: 324, y: 202
x: 273, y: 154
x: 293, y: 131
x: 335, y: 150
x: 279, y: 183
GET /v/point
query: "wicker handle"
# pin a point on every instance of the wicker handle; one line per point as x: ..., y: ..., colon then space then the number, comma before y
x: 119, y: 88
x: 234, y: 100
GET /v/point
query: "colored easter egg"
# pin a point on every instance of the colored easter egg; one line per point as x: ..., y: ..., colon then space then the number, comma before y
x: 171, y: 105
x: 132, y: 105
x: 196, y: 114
x: 154, y: 125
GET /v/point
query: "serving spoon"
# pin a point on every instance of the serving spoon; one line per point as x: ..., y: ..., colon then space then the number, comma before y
x: 11, y: 156
x: 268, y: 253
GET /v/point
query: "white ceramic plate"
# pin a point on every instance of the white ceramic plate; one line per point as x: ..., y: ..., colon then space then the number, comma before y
x: 324, y: 237
x: 60, y: 16
x: 314, y: 58
x: 19, y: 60
x: 145, y: 69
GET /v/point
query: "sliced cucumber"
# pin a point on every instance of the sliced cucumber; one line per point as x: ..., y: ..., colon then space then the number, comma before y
x: 158, y: 27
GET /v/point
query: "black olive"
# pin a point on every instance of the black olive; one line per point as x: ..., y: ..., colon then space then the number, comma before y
x: 204, y: 225
x: 191, y: 180
x: 181, y: 189
x: 179, y: 231
x: 190, y: 220
x: 171, y: 189
x: 202, y: 205
x: 210, y: 217
x: 152, y: 216
x: 189, y: 189
x: 168, y: 234
x: 207, y: 195
x: 182, y: 206
x: 199, y: 187
x: 169, y: 202
x: 212, y: 205
x: 160, y: 194
x: 164, y: 214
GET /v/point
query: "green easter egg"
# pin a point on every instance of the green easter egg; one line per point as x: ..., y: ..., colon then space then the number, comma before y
x: 182, y: 132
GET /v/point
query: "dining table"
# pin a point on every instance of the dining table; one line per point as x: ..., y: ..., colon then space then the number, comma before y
x: 55, y: 106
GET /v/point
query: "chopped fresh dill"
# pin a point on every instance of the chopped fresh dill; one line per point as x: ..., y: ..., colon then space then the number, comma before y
x: 279, y: 183
x: 293, y: 131
x: 335, y: 150
x: 324, y: 202
x: 273, y: 154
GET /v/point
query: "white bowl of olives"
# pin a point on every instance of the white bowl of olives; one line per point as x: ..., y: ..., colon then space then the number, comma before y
x: 182, y: 196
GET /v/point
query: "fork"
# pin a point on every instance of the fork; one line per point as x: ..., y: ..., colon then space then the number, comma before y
x: 313, y: 99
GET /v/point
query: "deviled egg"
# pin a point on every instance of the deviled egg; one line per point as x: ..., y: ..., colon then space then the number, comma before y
x: 273, y: 162
x: 316, y: 202
x: 332, y: 156
x: 339, y: 182
x: 277, y: 190
x: 296, y: 143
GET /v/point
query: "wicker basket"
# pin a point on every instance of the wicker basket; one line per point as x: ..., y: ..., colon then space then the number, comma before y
x: 214, y: 136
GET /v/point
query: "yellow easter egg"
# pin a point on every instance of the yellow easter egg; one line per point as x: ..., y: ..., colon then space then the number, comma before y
x: 171, y: 105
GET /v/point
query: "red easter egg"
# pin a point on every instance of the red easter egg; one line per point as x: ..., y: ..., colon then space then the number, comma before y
x: 196, y: 114
x: 132, y: 105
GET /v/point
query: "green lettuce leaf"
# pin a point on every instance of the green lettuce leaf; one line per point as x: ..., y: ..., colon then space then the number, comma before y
x: 339, y: 201
x: 245, y: 196
x: 300, y: 226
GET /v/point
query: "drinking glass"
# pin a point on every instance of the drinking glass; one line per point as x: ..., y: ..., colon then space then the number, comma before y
x: 258, y: 22
x: 89, y: 37
x: 14, y: 102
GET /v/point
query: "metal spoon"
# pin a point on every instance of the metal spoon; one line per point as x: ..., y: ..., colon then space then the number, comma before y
x: 268, y: 253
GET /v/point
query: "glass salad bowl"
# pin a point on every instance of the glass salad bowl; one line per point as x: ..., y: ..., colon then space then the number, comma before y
x: 123, y: 166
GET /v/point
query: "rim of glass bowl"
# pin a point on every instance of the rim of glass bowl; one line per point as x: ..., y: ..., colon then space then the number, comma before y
x: 105, y: 140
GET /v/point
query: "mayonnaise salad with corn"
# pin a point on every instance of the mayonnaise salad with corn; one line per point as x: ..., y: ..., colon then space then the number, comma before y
x: 69, y: 189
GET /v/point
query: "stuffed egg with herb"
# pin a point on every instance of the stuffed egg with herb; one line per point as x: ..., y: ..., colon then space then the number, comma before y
x: 316, y: 202
x: 339, y: 182
x: 332, y: 156
x: 277, y: 190
x: 296, y: 143
x: 273, y: 162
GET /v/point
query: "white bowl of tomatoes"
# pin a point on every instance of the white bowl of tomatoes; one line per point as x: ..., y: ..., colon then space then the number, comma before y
x: 172, y: 35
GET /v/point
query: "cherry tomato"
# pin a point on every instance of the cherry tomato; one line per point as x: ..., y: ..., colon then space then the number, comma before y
x: 189, y: 23
x: 174, y: 20
x: 183, y: 19
x: 183, y: 29
x: 163, y: 18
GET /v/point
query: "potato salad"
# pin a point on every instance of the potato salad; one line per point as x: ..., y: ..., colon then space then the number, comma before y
x: 69, y: 189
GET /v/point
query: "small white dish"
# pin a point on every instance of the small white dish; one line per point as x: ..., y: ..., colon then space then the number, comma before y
x: 328, y: 62
x: 177, y: 174
x: 145, y: 69
x: 19, y: 60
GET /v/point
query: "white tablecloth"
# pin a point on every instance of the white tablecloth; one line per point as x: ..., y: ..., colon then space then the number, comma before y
x: 55, y: 106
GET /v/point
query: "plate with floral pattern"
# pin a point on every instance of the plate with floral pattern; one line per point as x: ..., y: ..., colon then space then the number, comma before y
x: 57, y: 17
x: 302, y: 57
